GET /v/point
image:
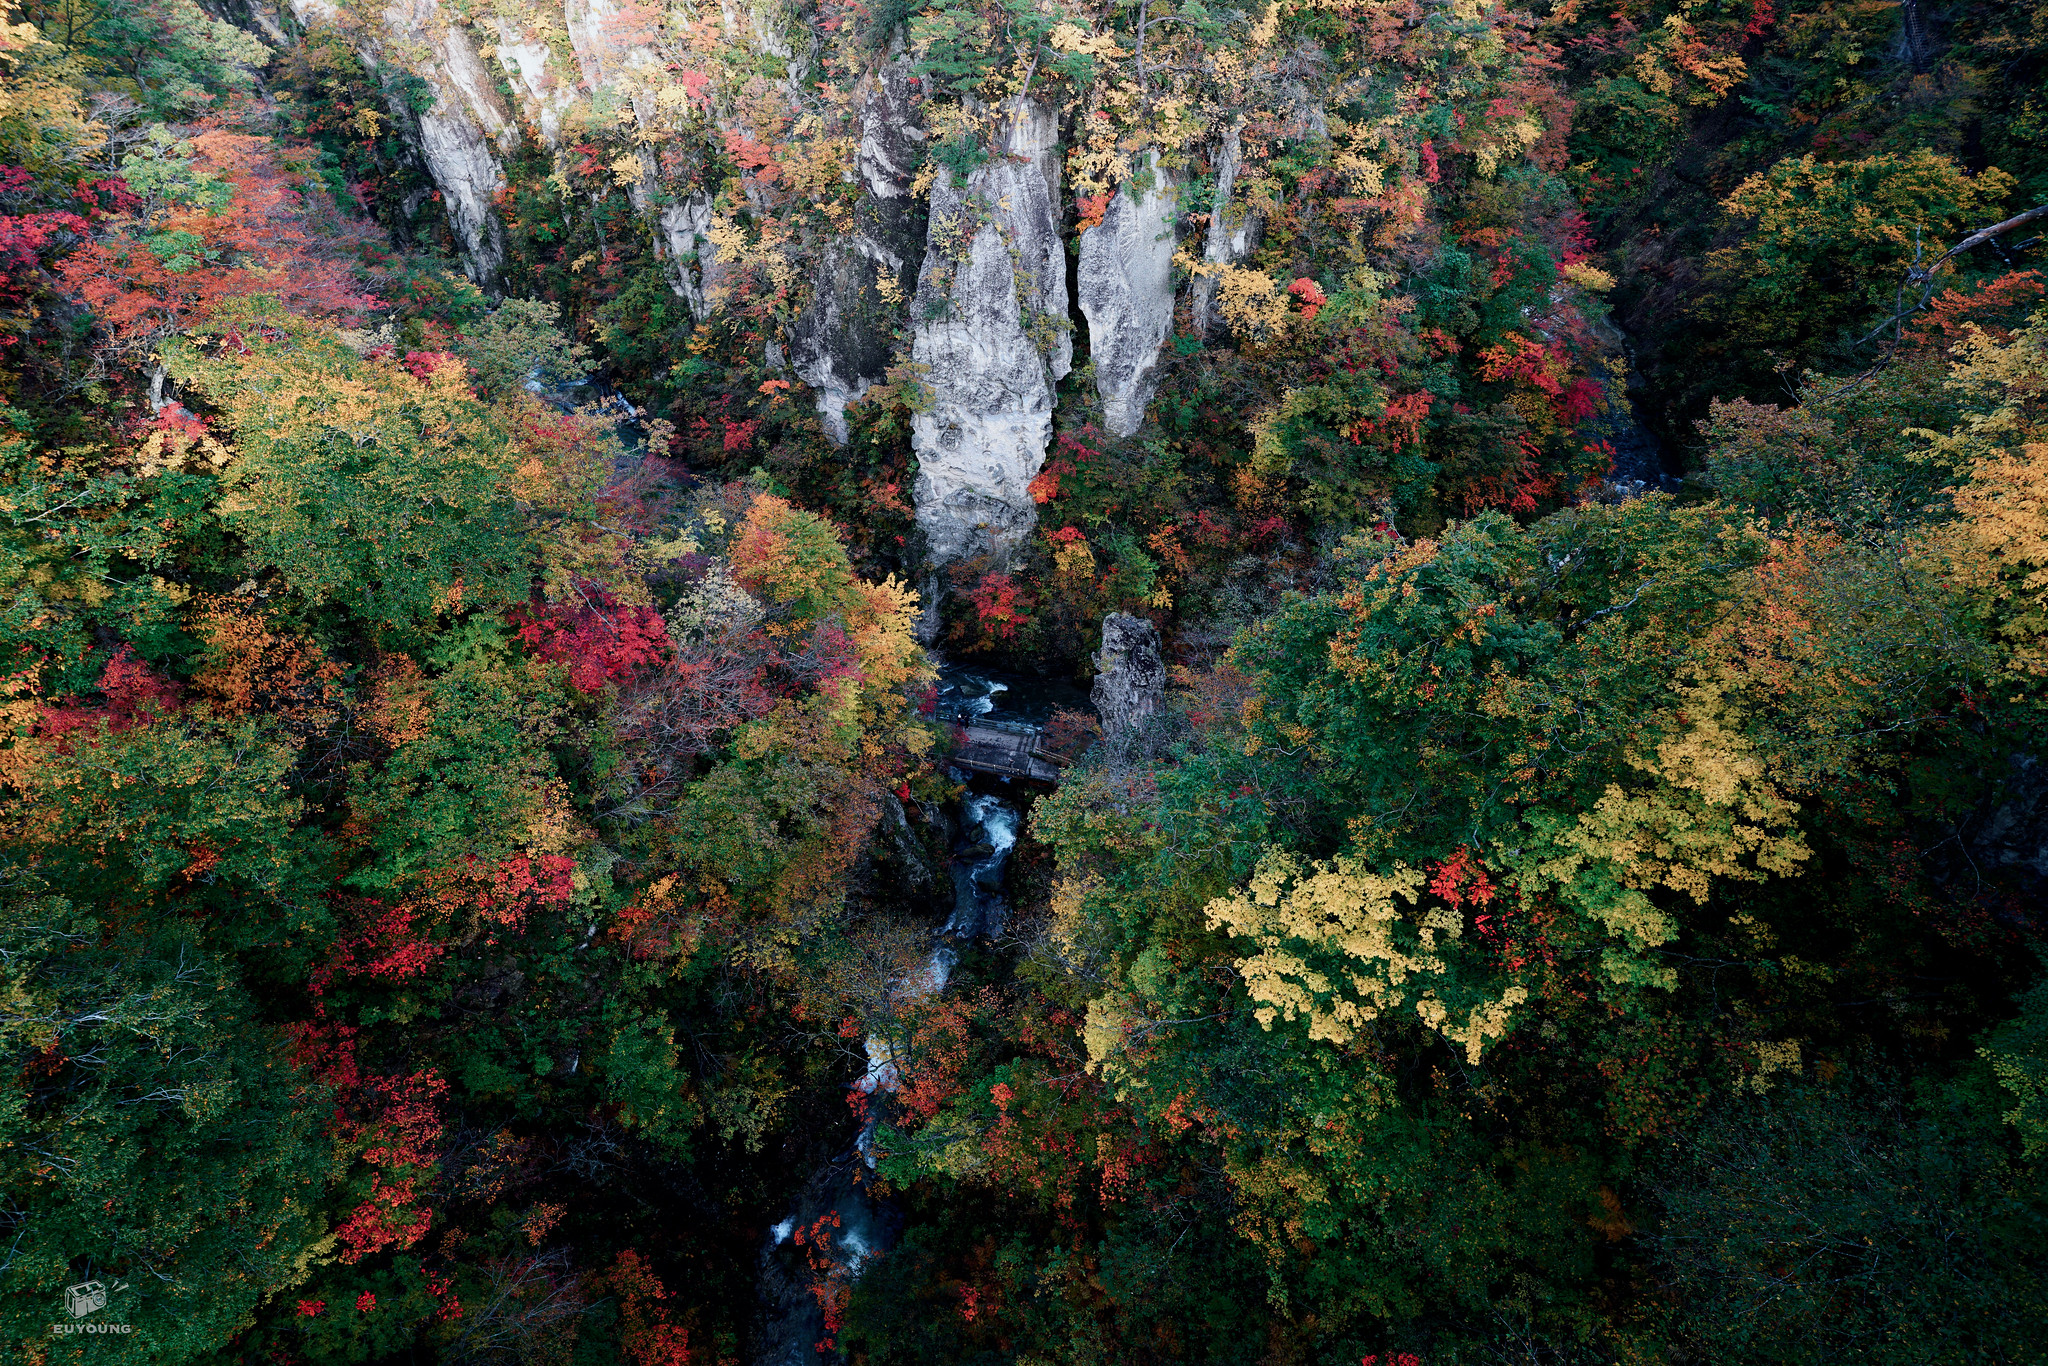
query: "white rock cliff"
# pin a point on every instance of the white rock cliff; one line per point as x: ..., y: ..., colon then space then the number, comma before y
x: 1126, y: 291
x: 462, y: 135
x: 993, y: 337
x: 845, y: 339
x: 1233, y: 232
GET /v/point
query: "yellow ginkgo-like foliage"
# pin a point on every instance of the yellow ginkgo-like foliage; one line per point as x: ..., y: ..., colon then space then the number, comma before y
x: 1337, y: 949
x: 793, y: 561
x: 1708, y: 811
x: 2003, y: 531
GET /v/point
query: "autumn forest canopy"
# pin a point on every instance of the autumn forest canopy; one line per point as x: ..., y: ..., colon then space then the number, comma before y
x: 967, y: 682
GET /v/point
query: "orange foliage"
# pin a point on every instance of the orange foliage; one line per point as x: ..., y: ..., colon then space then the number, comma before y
x: 400, y: 701
x: 648, y: 1338
x: 262, y: 241
x: 249, y: 667
x: 1949, y: 318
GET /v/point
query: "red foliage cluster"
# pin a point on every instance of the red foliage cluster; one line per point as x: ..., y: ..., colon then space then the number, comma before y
x: 1071, y: 454
x: 1542, y: 366
x: 391, y: 943
x: 654, y: 925
x: 1459, y: 877
x: 753, y: 156
x: 422, y: 364
x: 1265, y: 531
x: 648, y: 1338
x: 516, y: 884
x: 135, y: 696
x: 386, y: 947
x: 1311, y: 295
x: 394, y: 1121
x: 1045, y: 486
x: 1001, y: 605
x: 934, y: 1067
x: 27, y: 240
x: 502, y: 894
x: 1402, y: 418
x: 23, y: 241
x: 598, y: 638
x: 1520, y: 489
x: 740, y: 435
x: 261, y: 242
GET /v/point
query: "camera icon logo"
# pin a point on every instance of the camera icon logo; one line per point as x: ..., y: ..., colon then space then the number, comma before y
x: 84, y: 1298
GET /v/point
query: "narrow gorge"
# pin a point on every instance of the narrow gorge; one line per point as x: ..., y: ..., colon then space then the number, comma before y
x: 1023, y: 682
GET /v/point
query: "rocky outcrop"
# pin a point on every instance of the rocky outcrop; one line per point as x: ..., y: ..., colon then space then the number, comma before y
x: 540, y: 88
x: 692, y: 259
x: 1126, y: 292
x: 912, y: 870
x: 845, y: 338
x: 607, y: 39
x: 1233, y: 232
x: 1130, y: 676
x: 992, y: 336
x: 461, y: 136
x: 2013, y: 831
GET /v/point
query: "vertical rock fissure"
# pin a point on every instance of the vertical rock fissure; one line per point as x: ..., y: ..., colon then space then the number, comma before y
x: 845, y: 338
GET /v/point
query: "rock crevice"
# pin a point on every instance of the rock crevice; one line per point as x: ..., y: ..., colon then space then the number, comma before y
x: 461, y: 136
x: 1232, y: 232
x: 845, y: 338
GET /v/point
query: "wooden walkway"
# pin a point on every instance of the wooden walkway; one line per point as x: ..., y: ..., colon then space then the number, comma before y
x: 1005, y: 753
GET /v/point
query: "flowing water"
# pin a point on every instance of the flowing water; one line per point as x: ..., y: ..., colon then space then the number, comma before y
x: 967, y: 693
x: 835, y: 1225
x: 979, y: 908
x: 1640, y: 463
x: 595, y: 395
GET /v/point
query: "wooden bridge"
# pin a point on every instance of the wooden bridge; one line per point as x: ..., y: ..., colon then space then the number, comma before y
x: 1005, y: 751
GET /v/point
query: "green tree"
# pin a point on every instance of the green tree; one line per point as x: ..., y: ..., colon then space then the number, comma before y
x: 1823, y: 246
x: 155, y: 1136
x: 370, y: 486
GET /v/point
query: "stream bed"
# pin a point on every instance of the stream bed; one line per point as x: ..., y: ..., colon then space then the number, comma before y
x: 835, y: 1225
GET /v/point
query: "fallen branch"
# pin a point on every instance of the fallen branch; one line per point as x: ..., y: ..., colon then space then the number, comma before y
x: 1923, y: 276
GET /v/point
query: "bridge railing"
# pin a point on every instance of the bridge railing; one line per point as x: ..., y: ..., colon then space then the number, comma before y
x: 983, y: 723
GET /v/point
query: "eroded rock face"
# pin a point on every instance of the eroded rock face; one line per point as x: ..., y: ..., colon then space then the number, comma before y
x: 845, y: 339
x: 992, y: 331
x: 1130, y: 675
x: 2013, y: 832
x: 461, y: 137
x: 692, y: 260
x: 1232, y: 233
x: 543, y: 91
x: 1126, y: 290
x: 840, y: 345
x: 606, y: 39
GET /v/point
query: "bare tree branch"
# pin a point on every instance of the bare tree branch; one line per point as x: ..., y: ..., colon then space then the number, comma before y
x: 1923, y: 276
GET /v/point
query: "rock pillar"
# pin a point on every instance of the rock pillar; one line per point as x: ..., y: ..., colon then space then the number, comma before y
x: 993, y: 336
x: 1126, y: 290
x: 1130, y: 676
